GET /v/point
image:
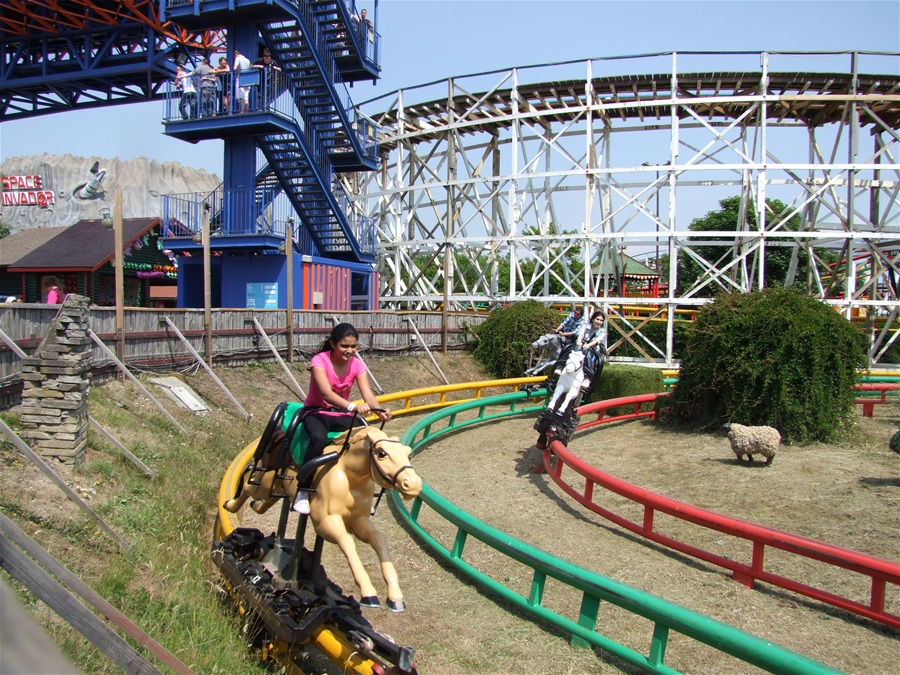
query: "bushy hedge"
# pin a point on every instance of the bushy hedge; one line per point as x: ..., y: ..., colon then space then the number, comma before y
x: 504, y: 340
x: 618, y: 380
x: 775, y: 358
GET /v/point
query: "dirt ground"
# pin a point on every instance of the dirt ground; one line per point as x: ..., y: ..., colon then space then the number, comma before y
x: 844, y: 494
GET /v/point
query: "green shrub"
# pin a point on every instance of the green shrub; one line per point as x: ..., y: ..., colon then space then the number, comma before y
x: 618, y: 380
x: 773, y: 358
x: 504, y: 340
x: 895, y: 442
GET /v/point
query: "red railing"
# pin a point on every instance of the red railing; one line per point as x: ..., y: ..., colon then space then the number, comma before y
x: 880, y: 571
x: 873, y: 393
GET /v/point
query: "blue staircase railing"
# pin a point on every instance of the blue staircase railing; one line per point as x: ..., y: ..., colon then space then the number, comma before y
x: 233, y: 215
x: 310, y: 126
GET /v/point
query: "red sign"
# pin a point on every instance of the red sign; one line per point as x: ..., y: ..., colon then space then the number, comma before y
x: 26, y: 191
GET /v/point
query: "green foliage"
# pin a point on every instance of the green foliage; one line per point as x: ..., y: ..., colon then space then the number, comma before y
x: 504, y: 340
x: 4, y: 229
x: 895, y: 442
x: 773, y: 358
x: 618, y: 380
x: 892, y: 355
x: 655, y: 331
x: 728, y: 219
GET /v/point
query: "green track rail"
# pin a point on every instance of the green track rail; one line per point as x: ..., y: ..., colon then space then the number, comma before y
x: 594, y: 588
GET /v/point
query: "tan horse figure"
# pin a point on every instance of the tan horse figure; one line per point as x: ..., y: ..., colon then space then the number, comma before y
x: 342, y: 503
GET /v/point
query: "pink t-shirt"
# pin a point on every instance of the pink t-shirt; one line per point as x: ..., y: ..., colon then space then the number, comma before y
x: 342, y: 386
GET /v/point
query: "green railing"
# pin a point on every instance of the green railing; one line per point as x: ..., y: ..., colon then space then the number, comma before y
x: 593, y: 588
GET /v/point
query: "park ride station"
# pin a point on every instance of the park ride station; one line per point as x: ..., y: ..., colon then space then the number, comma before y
x: 281, y: 201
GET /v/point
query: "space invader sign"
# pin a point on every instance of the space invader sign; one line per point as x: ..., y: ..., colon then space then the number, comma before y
x: 26, y: 191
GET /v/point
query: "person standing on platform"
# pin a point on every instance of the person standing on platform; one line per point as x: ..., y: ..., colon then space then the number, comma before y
x: 268, y: 78
x: 222, y: 71
x: 184, y: 82
x: 207, y: 83
x: 242, y: 93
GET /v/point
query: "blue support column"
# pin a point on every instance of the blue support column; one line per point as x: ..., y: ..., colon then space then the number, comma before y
x: 240, y: 153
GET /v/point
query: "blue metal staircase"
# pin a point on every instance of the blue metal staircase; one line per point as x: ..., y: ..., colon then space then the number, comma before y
x: 305, y: 124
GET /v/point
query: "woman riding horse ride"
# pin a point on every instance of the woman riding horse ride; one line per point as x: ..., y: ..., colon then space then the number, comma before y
x: 334, y: 370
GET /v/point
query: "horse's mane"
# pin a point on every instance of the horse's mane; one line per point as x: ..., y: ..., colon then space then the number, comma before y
x: 341, y: 439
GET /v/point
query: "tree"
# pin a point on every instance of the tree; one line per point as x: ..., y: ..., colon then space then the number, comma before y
x: 4, y: 230
x: 727, y: 219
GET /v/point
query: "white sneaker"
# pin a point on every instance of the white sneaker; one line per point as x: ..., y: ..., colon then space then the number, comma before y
x: 301, y: 503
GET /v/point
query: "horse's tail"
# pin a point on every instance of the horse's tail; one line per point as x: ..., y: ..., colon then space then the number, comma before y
x: 241, y: 484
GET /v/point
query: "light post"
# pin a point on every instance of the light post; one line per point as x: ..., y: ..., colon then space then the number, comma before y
x: 656, y: 260
x: 289, y: 262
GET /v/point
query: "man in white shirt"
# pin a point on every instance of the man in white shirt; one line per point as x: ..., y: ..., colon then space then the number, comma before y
x: 184, y: 82
x: 241, y: 63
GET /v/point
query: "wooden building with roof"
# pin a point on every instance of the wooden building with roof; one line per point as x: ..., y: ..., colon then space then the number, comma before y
x: 82, y: 257
x: 630, y: 278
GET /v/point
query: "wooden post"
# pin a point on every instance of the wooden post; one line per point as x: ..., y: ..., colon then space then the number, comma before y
x: 120, y: 279
x: 135, y: 381
x: 289, y: 252
x: 54, y: 568
x: 207, y: 285
x: 125, y: 451
x: 278, y: 358
x: 207, y: 368
x: 56, y: 597
x: 425, y: 347
x: 48, y: 471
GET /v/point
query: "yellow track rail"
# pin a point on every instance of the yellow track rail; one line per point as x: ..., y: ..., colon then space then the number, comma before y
x: 332, y: 643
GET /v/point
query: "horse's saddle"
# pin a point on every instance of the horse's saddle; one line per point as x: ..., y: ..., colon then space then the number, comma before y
x: 285, y: 436
x: 294, y: 432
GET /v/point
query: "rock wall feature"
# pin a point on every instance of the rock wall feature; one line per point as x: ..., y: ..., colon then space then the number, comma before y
x: 57, y: 380
x: 60, y: 190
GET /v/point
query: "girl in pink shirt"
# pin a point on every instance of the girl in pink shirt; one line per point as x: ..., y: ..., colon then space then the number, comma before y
x: 335, y: 368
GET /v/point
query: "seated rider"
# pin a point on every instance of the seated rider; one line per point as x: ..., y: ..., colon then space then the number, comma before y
x: 593, y: 341
x: 334, y: 370
x: 571, y: 328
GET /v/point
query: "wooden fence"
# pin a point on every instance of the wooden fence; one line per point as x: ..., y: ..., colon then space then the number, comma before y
x: 148, y: 342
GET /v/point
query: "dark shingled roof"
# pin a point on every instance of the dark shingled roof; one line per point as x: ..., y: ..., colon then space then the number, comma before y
x: 18, y: 245
x: 85, y: 246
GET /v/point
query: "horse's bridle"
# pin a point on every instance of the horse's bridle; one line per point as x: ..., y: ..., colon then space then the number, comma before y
x: 391, y: 480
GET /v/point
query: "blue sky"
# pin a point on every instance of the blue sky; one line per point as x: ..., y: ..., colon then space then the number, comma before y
x: 426, y: 40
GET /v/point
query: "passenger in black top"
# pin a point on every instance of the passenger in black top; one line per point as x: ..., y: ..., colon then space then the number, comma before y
x: 268, y: 78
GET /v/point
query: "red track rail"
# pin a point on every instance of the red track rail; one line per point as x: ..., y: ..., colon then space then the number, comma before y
x: 880, y: 571
x: 879, y: 389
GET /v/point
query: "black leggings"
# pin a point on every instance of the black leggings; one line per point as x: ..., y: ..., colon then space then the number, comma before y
x: 319, y: 426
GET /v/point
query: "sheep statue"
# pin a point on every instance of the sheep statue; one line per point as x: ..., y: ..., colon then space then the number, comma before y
x: 753, y: 441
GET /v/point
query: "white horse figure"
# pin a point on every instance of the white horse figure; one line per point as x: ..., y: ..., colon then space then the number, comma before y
x: 549, y: 346
x: 570, y: 382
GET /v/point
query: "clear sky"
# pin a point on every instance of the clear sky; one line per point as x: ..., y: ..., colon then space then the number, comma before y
x: 426, y: 40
